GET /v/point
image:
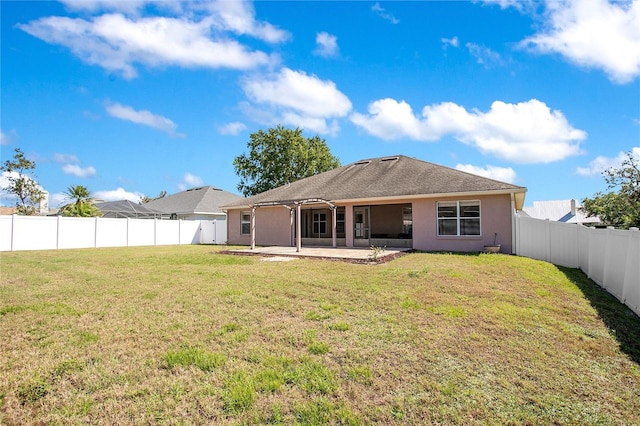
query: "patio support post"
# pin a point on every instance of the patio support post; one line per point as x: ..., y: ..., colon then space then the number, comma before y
x: 298, y: 228
x: 334, y: 224
x: 253, y: 227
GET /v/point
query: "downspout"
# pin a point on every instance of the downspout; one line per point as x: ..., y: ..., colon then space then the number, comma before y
x: 513, y: 224
x: 253, y: 227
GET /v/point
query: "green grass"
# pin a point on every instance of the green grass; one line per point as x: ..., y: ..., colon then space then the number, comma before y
x: 187, y: 335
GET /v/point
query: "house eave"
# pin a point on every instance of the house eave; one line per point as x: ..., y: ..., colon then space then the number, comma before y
x: 404, y: 198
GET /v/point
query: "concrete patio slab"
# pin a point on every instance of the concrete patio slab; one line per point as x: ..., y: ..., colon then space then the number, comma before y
x: 352, y: 254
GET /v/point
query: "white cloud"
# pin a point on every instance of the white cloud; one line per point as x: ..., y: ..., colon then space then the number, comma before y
x: 117, y: 43
x: 527, y: 132
x: 484, y: 55
x: 602, y: 163
x: 383, y: 14
x: 232, y: 128
x: 116, y: 195
x: 189, y: 181
x: 297, y: 98
x: 128, y: 6
x: 4, y: 138
x: 65, y: 158
x: 71, y: 166
x: 594, y: 34
x: 503, y: 174
x: 76, y: 170
x: 143, y: 117
x: 326, y: 45
x: 450, y: 42
x: 239, y: 17
x: 4, y: 182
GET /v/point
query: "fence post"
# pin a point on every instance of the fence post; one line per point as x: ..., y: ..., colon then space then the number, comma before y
x: 606, y: 263
x: 58, y: 231
x: 13, y: 231
x: 95, y: 234
x: 548, y: 237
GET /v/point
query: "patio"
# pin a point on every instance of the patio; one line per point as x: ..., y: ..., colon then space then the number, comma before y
x: 349, y: 254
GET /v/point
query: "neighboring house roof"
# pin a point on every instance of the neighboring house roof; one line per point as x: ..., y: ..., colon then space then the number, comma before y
x: 125, y: 208
x: 382, y: 178
x: 202, y: 200
x: 568, y: 211
x: 7, y: 210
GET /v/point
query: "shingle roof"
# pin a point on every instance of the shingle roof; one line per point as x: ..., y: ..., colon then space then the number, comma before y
x: 384, y: 177
x: 205, y: 199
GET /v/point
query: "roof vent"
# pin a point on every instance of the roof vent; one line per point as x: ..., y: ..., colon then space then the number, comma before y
x: 359, y: 163
x: 389, y: 159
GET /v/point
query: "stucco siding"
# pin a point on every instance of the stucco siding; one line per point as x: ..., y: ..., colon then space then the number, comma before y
x: 272, y: 227
x: 495, y: 216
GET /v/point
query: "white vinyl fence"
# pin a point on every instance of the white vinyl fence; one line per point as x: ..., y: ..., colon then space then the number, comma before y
x: 57, y: 232
x: 610, y: 257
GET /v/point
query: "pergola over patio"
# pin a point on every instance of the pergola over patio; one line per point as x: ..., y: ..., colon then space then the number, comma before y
x: 294, y: 205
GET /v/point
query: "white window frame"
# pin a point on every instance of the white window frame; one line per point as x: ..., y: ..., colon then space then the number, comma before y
x: 244, y: 222
x: 459, y: 218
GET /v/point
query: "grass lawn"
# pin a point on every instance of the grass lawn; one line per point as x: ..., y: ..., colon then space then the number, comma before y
x: 186, y: 335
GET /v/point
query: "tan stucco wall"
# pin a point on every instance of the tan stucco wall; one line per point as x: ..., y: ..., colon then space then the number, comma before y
x: 495, y: 216
x: 273, y: 226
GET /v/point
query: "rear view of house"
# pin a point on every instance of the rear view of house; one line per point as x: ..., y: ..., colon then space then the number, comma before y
x: 392, y: 201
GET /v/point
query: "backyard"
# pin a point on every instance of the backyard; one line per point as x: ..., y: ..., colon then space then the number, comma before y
x: 188, y: 335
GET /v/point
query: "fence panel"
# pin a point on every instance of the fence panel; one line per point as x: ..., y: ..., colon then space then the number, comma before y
x: 35, y: 233
x: 597, y: 255
x: 631, y: 288
x: 141, y: 232
x: 189, y: 232
x: 563, y: 245
x: 6, y: 232
x: 615, y: 262
x: 111, y: 232
x: 533, y: 238
x: 167, y: 232
x: 76, y: 232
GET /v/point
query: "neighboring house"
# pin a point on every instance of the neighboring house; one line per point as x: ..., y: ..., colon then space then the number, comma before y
x: 125, y: 208
x: 392, y: 201
x: 567, y: 211
x: 201, y: 203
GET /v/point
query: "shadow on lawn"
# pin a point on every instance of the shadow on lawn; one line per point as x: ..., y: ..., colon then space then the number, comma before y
x: 624, y: 324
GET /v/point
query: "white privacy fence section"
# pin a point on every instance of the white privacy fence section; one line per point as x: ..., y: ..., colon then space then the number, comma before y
x: 50, y: 233
x: 610, y: 257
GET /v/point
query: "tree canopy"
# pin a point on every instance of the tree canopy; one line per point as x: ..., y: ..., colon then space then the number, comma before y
x: 22, y: 183
x: 82, y: 204
x: 280, y: 156
x: 622, y: 208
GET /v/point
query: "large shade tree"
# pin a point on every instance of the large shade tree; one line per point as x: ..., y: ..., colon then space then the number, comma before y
x: 81, y: 203
x: 280, y: 156
x: 21, y: 183
x: 622, y: 208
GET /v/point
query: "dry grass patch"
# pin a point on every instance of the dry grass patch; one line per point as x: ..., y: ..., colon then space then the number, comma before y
x: 166, y: 335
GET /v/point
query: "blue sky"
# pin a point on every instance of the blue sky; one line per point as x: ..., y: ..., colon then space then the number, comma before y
x: 131, y: 98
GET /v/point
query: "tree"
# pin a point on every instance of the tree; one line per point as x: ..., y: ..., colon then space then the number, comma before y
x: 620, y: 209
x: 22, y: 183
x: 145, y: 198
x: 82, y: 204
x: 280, y: 156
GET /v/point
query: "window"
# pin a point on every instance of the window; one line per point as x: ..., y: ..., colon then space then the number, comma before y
x: 407, y: 222
x: 340, y: 222
x: 459, y: 218
x: 245, y: 223
x: 319, y: 223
